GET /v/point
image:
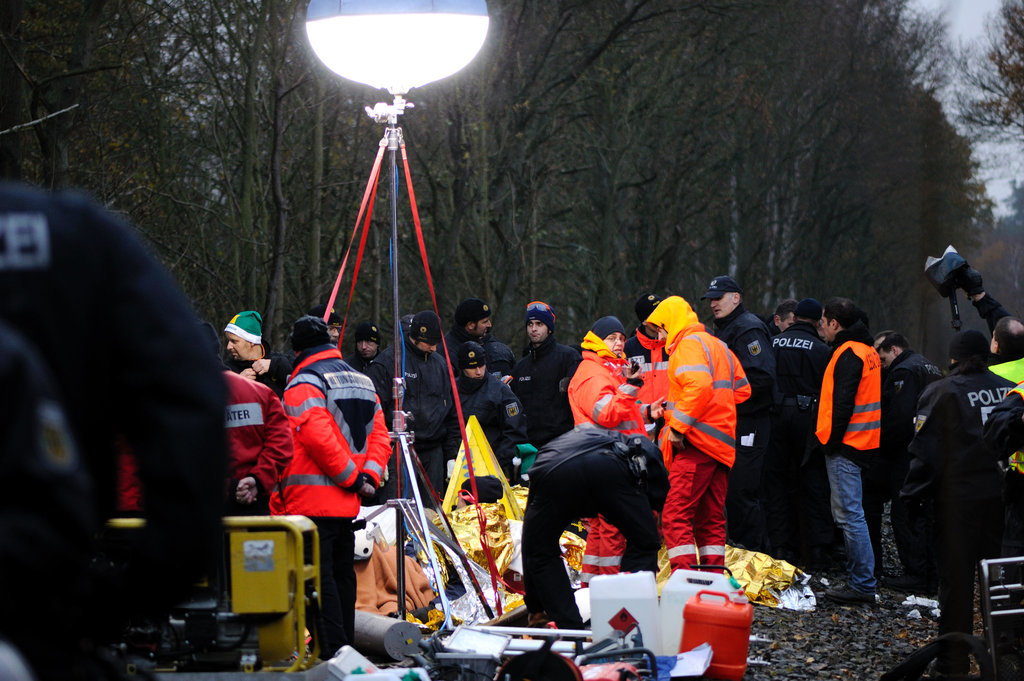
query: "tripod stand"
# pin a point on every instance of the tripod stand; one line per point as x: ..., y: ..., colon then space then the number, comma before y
x: 407, y: 462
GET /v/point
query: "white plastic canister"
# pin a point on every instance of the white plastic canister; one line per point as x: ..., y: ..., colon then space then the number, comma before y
x: 680, y: 587
x: 637, y: 592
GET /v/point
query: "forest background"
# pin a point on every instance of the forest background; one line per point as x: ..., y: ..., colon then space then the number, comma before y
x: 595, y: 150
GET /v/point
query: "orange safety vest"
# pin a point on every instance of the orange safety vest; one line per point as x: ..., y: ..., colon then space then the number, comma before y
x: 599, y: 394
x: 706, y: 382
x: 864, y: 430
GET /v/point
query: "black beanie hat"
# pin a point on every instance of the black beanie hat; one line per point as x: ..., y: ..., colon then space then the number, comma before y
x: 309, y: 332
x: 471, y: 310
x: 425, y: 328
x: 606, y: 326
x: 471, y: 355
x: 645, y: 306
x: 319, y: 311
x: 968, y: 343
x: 488, y: 486
x: 808, y: 308
x: 368, y: 331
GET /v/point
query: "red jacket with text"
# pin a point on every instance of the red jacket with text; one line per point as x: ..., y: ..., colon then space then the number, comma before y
x: 258, y: 432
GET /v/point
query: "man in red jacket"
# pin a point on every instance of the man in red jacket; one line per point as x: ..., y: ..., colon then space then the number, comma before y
x: 259, y: 445
x: 341, y: 449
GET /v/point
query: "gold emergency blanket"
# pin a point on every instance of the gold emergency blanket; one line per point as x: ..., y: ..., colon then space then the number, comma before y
x: 466, y: 524
x: 761, y: 576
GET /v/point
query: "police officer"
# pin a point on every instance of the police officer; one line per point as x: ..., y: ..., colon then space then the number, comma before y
x: 584, y: 473
x: 473, y: 323
x: 142, y: 374
x: 796, y: 483
x: 955, y: 469
x: 428, y: 396
x: 1004, y: 433
x: 493, y: 403
x: 367, y: 346
x: 905, y: 375
x: 747, y: 336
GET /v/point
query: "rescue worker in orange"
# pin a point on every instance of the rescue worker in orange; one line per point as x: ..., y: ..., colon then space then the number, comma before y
x: 849, y: 429
x: 341, y: 450
x: 706, y: 382
x: 603, y: 393
x: 650, y: 354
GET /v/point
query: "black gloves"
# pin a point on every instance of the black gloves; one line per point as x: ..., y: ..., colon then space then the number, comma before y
x: 969, y: 279
x: 363, y: 486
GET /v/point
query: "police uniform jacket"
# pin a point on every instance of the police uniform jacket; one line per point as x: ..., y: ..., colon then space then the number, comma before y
x: 907, y: 376
x: 499, y: 357
x: 748, y: 338
x: 951, y: 460
x: 143, y: 370
x: 800, y: 361
x: 499, y: 412
x: 428, y: 395
x: 541, y: 380
x: 1004, y: 427
x: 356, y: 361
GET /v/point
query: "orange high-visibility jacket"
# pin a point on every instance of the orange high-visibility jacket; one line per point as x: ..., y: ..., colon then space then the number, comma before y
x: 599, y: 394
x: 655, y: 376
x: 338, y: 430
x: 706, y: 382
x: 864, y: 430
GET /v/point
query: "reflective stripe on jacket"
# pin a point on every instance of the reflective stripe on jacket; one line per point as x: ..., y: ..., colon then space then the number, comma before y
x: 863, y: 431
x: 599, y: 394
x: 706, y: 382
x: 338, y: 430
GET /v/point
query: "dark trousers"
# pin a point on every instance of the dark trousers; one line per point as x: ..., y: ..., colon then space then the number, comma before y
x: 585, y: 486
x: 882, y: 481
x: 431, y: 455
x: 337, y: 584
x: 798, y: 516
x: 966, y: 532
x: 743, y: 508
x: 1013, y: 529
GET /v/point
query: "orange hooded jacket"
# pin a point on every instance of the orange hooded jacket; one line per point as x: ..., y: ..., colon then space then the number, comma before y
x: 706, y: 382
x: 599, y: 394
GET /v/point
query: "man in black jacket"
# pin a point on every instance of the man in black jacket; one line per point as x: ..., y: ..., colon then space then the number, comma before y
x: 428, y: 397
x: 848, y: 428
x: 367, y: 346
x: 797, y: 514
x: 747, y: 336
x: 586, y: 472
x: 249, y: 353
x: 955, y: 469
x: 473, y: 323
x: 905, y: 375
x: 493, y: 403
x: 541, y: 378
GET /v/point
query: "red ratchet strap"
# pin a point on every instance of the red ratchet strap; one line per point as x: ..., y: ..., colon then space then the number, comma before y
x: 369, y: 194
x: 491, y: 565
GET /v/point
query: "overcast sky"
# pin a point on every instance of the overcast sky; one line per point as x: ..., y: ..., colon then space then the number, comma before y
x: 966, y: 20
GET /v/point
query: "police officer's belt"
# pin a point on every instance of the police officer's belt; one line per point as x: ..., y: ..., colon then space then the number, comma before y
x: 801, y: 401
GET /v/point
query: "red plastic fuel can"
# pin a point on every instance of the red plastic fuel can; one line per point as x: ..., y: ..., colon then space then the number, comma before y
x: 715, y: 618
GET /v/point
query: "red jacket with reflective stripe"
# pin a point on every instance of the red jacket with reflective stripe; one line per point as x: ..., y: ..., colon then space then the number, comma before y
x: 599, y: 394
x: 259, y: 434
x: 706, y: 382
x: 655, y: 371
x: 338, y: 431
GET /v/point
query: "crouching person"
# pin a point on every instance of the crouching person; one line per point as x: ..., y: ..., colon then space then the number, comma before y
x: 586, y: 472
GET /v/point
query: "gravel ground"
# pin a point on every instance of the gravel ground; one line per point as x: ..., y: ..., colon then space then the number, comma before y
x: 842, y: 641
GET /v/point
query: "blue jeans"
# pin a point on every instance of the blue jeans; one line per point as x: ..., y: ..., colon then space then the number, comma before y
x: 848, y: 512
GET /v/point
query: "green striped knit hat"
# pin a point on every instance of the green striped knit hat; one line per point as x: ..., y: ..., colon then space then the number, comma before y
x: 247, y: 325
